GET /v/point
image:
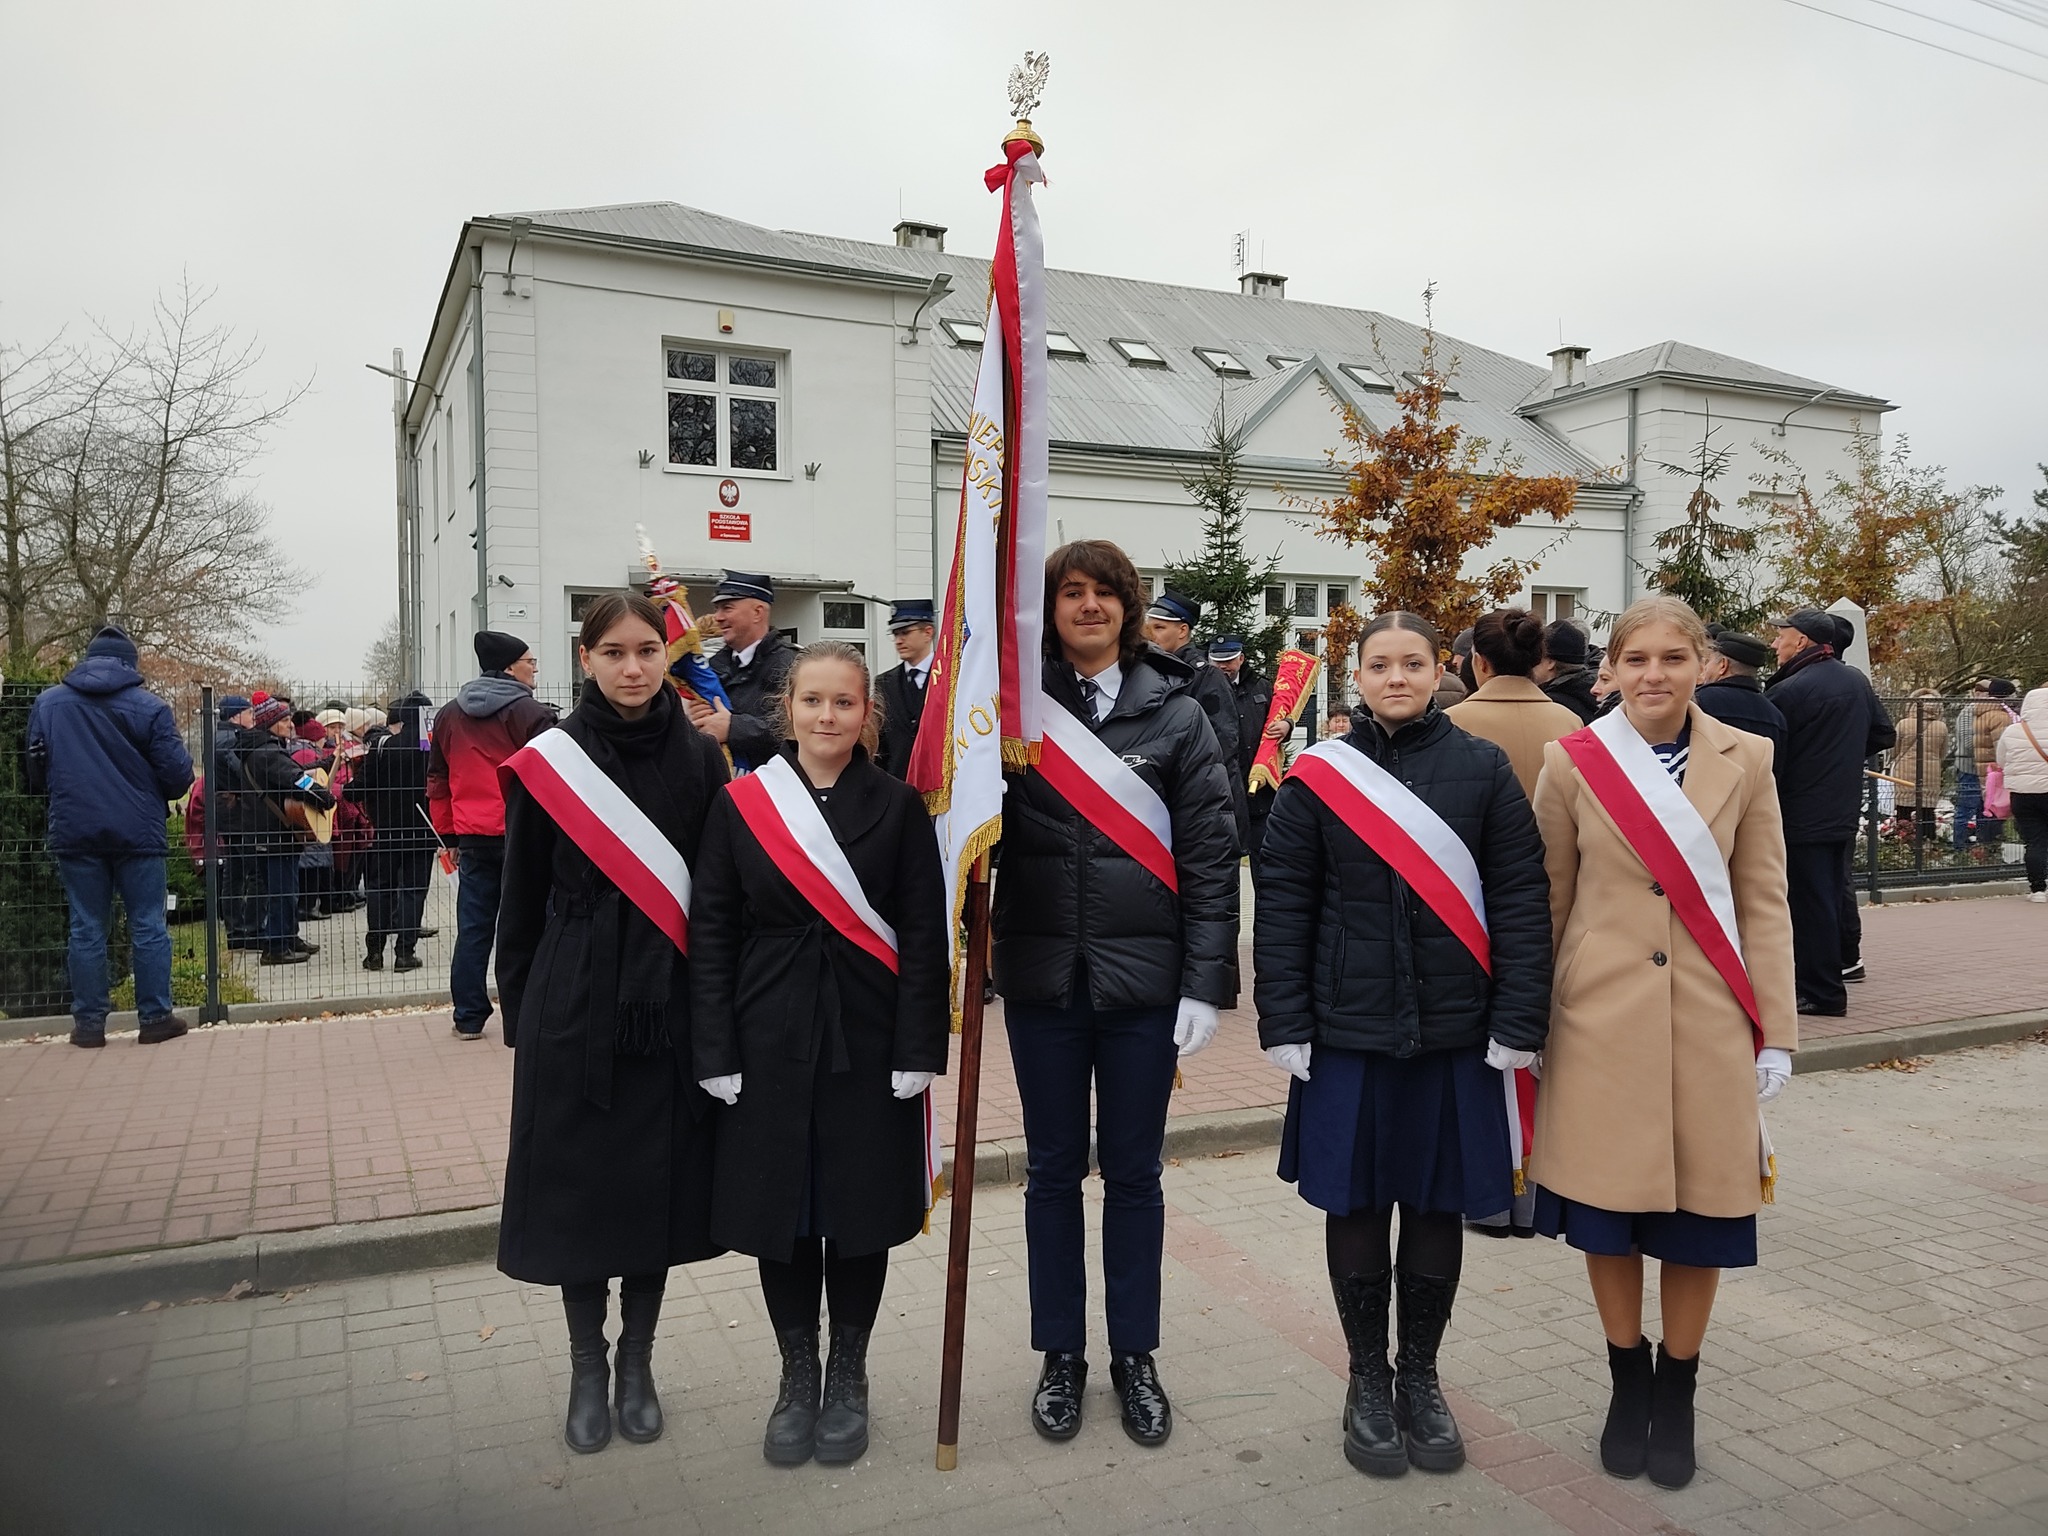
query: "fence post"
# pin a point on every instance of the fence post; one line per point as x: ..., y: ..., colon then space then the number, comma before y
x: 1870, y: 837
x: 211, y: 1011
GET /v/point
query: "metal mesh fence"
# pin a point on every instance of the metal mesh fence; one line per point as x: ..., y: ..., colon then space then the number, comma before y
x: 1923, y: 824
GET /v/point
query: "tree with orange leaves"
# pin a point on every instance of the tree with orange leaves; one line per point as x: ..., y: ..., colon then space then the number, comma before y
x: 1422, y: 496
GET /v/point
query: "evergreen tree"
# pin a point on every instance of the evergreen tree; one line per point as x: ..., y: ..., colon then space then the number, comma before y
x: 1221, y: 576
x: 1702, y: 557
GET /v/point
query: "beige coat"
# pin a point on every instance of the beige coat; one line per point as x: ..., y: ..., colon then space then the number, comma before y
x: 1648, y: 1100
x: 1921, y: 749
x: 1519, y: 718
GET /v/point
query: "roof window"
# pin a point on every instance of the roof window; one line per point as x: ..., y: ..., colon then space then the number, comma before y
x: 965, y: 333
x: 1139, y: 354
x: 1281, y: 360
x: 1060, y: 344
x: 1448, y: 392
x: 1222, y: 362
x: 1367, y: 378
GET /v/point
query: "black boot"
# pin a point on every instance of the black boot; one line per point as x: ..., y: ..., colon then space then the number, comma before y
x: 1434, y: 1443
x: 1148, y: 1416
x: 589, y: 1427
x: 793, y: 1422
x: 843, y: 1420
x: 1625, y: 1442
x: 1671, y: 1457
x: 1373, y: 1442
x: 634, y: 1400
x: 1056, y: 1405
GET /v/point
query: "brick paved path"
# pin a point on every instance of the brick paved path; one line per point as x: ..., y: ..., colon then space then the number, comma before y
x: 273, y: 1127
x: 1883, y: 1370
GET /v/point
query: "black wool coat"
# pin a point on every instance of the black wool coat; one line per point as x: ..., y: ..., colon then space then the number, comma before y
x: 902, y: 710
x: 1066, y: 891
x: 1345, y: 953
x: 1739, y: 701
x: 814, y: 1024
x: 1834, y: 722
x: 592, y: 1190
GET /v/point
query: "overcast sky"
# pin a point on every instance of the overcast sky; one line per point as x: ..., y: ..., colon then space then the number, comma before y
x: 1746, y: 175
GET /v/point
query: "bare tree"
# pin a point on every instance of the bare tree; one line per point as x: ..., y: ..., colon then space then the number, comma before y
x: 384, y: 664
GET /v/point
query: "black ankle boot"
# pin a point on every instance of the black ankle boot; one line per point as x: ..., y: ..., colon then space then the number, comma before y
x: 1434, y: 1443
x: 1373, y: 1442
x: 1148, y: 1416
x: 589, y: 1426
x: 1056, y: 1405
x: 1671, y: 1456
x: 634, y: 1399
x: 1625, y: 1442
x: 793, y: 1423
x: 843, y: 1419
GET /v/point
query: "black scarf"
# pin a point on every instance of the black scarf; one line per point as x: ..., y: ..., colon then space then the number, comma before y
x: 655, y: 760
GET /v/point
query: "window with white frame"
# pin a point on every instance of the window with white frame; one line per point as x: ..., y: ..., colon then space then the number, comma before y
x: 1553, y: 603
x: 1367, y: 378
x: 1062, y: 344
x: 725, y: 408
x: 965, y: 333
x: 846, y: 618
x: 1223, y: 362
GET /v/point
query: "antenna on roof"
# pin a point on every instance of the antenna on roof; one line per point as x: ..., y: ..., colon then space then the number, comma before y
x: 1244, y: 251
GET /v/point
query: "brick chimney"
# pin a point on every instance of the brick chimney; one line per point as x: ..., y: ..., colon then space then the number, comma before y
x: 1568, y: 368
x: 913, y: 236
x: 1262, y: 285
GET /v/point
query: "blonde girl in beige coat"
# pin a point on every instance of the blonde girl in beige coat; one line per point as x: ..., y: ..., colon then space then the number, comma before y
x: 1647, y: 1130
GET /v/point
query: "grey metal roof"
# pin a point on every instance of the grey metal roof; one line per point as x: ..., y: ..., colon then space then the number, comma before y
x: 1103, y: 402
x: 1683, y: 360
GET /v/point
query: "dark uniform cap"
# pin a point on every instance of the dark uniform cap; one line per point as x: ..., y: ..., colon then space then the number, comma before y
x: 1223, y: 647
x: 1737, y: 646
x: 744, y: 584
x: 1175, y: 609
x: 909, y: 613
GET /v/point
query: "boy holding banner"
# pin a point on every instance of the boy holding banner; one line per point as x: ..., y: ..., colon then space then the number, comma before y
x: 1402, y: 956
x: 1673, y: 1019
x: 1115, y: 945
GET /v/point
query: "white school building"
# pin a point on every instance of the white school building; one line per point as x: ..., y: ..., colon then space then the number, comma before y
x: 797, y: 404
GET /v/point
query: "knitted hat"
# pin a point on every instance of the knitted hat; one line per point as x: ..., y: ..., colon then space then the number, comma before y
x: 270, y: 711
x: 113, y: 641
x: 496, y: 650
x: 1564, y: 641
x: 2001, y: 688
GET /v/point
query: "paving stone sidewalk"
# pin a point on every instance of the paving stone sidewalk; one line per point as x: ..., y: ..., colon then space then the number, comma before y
x: 1885, y: 1369
x: 266, y: 1128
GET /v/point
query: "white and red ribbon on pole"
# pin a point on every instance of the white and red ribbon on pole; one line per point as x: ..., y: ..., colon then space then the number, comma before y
x: 1017, y: 307
x: 613, y: 833
x: 785, y: 820
x: 1107, y: 792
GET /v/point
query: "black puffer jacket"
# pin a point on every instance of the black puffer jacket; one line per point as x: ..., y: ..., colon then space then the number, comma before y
x: 1833, y: 722
x: 1346, y: 954
x: 1065, y: 889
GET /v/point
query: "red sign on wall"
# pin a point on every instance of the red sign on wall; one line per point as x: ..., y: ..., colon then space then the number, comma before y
x: 729, y: 493
x: 736, y: 527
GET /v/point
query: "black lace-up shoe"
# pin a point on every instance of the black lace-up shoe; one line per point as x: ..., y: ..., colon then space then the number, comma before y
x: 1056, y: 1405
x: 1148, y: 1416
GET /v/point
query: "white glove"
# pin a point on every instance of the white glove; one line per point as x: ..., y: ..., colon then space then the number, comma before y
x: 1291, y: 1059
x: 908, y: 1085
x: 726, y: 1088
x: 1773, y: 1071
x: 1504, y: 1058
x: 1196, y: 1026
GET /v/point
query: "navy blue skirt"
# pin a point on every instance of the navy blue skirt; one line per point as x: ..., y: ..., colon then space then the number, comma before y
x: 1368, y: 1131
x: 1678, y: 1237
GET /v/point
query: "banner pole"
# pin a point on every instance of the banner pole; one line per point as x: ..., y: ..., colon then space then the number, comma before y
x: 961, y: 1233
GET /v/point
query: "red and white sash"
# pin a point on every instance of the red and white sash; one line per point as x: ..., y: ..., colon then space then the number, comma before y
x: 778, y: 809
x: 614, y: 833
x: 1108, y: 793
x: 1419, y: 846
x: 1672, y: 839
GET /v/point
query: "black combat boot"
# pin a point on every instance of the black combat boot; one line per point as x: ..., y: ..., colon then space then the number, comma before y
x: 1373, y: 1441
x: 1434, y: 1443
x: 792, y: 1434
x: 634, y: 1400
x: 1671, y: 1453
x: 843, y: 1419
x: 589, y: 1426
x: 1625, y: 1442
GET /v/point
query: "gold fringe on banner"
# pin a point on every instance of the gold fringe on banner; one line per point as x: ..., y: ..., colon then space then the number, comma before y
x: 977, y: 849
x: 1770, y: 1180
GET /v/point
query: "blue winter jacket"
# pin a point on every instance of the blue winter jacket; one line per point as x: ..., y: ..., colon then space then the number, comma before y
x: 110, y: 754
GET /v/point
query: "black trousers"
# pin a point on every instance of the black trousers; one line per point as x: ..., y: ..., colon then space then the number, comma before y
x: 1851, y: 914
x: 397, y: 880
x: 2030, y: 817
x: 1814, y: 882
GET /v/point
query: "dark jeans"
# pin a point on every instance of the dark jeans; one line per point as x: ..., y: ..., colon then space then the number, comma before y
x: 1972, y: 825
x: 90, y: 883
x: 1813, y: 880
x: 1851, y: 914
x: 397, y: 880
x: 241, y: 891
x: 278, y: 898
x: 1128, y: 1056
x: 2030, y: 818
x: 476, y: 918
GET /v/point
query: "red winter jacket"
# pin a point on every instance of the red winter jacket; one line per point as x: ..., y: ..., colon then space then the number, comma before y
x: 491, y: 718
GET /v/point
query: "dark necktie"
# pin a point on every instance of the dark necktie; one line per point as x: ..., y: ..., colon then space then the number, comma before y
x: 1090, y: 692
